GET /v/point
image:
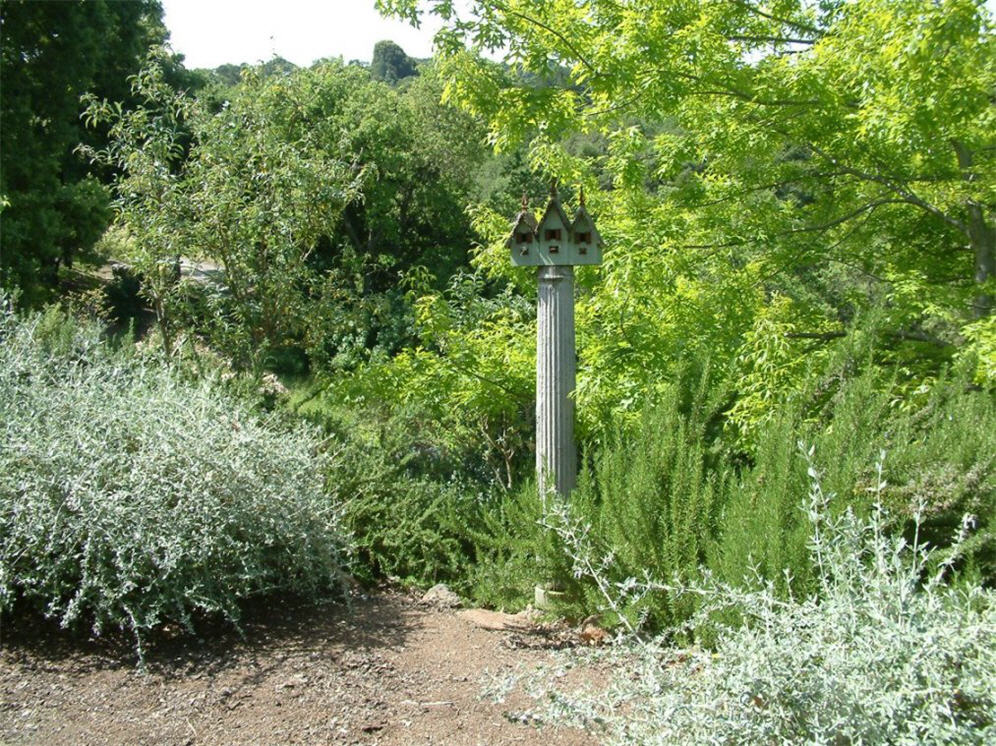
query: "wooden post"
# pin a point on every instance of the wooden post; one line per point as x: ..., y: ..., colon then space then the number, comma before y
x: 556, y: 366
x: 555, y: 244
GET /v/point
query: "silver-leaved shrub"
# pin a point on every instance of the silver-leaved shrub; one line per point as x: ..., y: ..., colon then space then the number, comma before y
x: 887, y: 652
x: 131, y: 498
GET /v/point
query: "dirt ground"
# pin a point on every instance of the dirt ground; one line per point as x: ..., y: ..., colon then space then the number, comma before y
x: 390, y: 670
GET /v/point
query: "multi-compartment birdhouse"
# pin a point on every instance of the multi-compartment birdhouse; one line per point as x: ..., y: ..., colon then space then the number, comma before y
x: 555, y: 239
x: 555, y: 244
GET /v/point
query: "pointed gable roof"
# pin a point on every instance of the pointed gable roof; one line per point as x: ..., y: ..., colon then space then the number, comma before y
x: 525, y: 219
x: 583, y: 223
x: 554, y: 208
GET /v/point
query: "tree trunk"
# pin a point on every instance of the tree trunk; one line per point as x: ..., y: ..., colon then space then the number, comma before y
x: 162, y: 320
x: 982, y: 236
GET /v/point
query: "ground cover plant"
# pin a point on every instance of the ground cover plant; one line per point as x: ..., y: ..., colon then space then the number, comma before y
x: 131, y: 497
x: 885, y: 651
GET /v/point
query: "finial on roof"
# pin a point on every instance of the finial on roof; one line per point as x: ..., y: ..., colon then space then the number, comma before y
x: 525, y: 202
x: 553, y: 188
x: 581, y: 198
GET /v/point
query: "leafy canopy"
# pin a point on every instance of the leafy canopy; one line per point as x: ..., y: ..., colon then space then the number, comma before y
x: 54, y: 206
x: 770, y: 173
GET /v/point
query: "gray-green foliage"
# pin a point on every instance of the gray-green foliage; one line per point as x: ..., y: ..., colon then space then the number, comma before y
x: 886, y: 652
x: 130, y: 498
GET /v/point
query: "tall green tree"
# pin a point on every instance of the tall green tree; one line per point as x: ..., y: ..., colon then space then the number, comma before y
x: 773, y: 171
x: 265, y: 187
x: 51, y: 53
x: 314, y: 191
x: 390, y: 63
x: 422, y: 157
x: 252, y: 186
x: 146, y: 151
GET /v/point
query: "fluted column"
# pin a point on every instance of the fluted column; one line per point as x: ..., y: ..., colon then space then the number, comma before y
x: 556, y: 458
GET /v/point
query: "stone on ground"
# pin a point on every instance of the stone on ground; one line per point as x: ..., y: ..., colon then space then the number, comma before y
x: 499, y: 620
x: 441, y: 597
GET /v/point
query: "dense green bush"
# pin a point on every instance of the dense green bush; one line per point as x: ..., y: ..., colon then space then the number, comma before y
x: 941, y: 464
x: 667, y: 490
x: 670, y: 493
x: 647, y: 502
x: 884, y: 652
x: 419, y: 515
x: 413, y: 513
x: 398, y: 504
x: 130, y: 497
x: 465, y: 392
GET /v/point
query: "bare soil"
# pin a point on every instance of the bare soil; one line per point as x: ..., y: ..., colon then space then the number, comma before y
x: 389, y: 670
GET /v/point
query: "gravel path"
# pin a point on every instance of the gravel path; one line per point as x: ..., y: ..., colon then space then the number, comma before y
x: 388, y: 671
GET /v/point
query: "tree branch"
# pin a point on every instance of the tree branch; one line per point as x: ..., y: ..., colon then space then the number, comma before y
x: 867, y: 207
x: 907, y: 194
x: 571, y: 48
x: 915, y: 336
x: 729, y: 90
x: 799, y: 25
x: 772, y: 185
x: 848, y: 216
x: 773, y: 39
x: 903, y: 335
x: 821, y: 336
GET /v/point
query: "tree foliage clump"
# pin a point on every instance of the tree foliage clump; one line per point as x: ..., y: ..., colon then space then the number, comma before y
x: 390, y: 63
x: 465, y: 389
x: 767, y: 176
x: 313, y: 192
x: 131, y: 498
x: 664, y: 494
x: 54, y: 205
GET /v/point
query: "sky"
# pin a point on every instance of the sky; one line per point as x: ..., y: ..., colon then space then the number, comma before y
x: 210, y: 33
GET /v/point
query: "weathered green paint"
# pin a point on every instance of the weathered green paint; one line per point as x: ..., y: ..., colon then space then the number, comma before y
x: 555, y: 239
x: 555, y: 244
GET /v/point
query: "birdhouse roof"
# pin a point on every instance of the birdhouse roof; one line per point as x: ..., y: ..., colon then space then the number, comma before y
x: 525, y: 219
x: 554, y: 208
x: 583, y: 220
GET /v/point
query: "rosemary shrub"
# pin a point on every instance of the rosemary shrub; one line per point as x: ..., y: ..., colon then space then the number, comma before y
x: 131, y: 498
x: 887, y: 651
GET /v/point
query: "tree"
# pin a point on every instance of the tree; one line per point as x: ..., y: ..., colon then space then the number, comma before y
x: 775, y: 170
x: 265, y: 186
x: 256, y: 189
x: 421, y: 156
x: 50, y: 54
x: 390, y: 64
x: 314, y: 191
x: 146, y: 148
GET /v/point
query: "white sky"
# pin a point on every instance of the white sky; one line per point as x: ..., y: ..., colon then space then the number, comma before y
x: 210, y: 33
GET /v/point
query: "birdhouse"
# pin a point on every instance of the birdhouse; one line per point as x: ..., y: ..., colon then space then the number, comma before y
x: 522, y: 242
x: 587, y: 240
x: 555, y: 239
